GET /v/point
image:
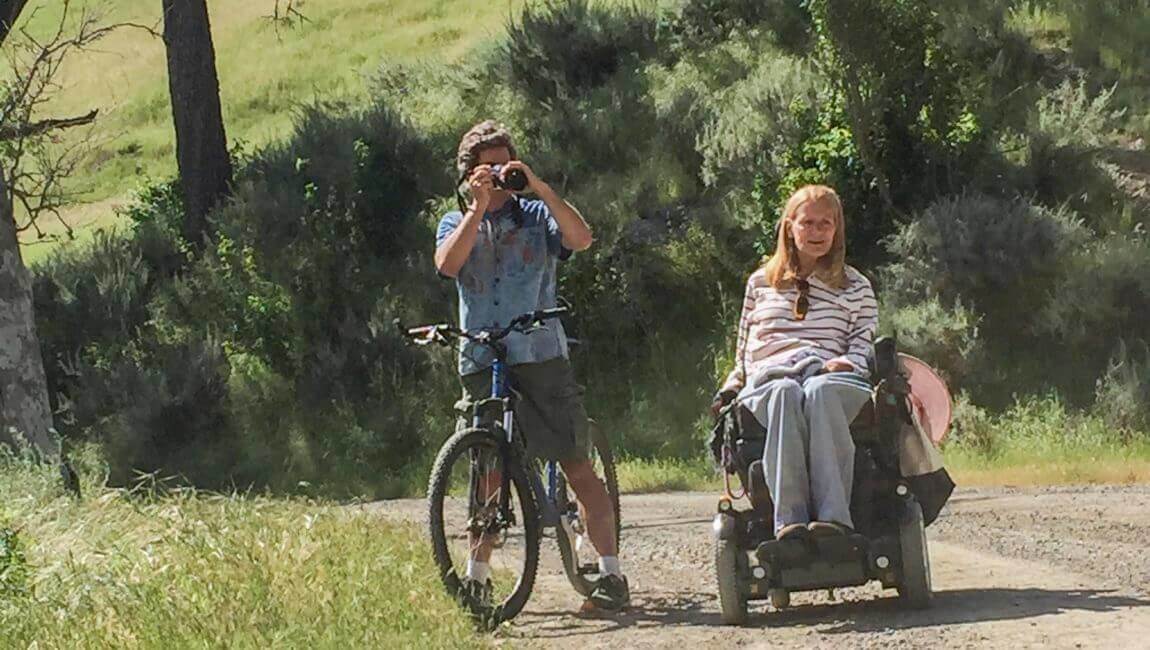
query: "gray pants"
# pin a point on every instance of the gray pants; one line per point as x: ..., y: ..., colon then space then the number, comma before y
x: 808, y: 460
x: 551, y: 416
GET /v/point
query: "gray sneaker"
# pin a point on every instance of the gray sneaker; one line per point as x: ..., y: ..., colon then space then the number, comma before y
x: 611, y: 593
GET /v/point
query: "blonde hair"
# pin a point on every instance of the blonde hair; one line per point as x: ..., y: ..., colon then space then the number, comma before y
x: 783, y: 266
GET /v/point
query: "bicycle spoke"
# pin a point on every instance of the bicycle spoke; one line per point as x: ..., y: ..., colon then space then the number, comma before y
x: 483, y: 519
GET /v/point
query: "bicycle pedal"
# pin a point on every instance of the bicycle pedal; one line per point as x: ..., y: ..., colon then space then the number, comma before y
x: 588, y: 569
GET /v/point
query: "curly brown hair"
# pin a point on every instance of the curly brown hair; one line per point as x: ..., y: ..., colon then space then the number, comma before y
x: 488, y: 134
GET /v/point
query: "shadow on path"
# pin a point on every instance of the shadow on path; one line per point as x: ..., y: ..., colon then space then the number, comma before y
x: 950, y: 607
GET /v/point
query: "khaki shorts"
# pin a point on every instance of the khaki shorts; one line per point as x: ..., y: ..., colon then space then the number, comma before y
x: 549, y: 414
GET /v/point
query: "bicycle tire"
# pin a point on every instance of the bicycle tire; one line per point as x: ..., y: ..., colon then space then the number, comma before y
x: 579, y: 581
x: 457, y: 445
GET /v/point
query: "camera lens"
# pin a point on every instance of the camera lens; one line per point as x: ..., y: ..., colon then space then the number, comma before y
x: 515, y: 180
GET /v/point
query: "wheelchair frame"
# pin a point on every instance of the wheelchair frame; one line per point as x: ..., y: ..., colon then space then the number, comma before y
x: 889, y: 544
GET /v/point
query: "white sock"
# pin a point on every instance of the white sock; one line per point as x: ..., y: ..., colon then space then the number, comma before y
x: 609, y: 565
x: 478, y: 571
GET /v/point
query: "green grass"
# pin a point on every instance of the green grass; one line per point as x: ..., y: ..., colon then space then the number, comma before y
x: 639, y: 475
x: 264, y: 75
x: 130, y: 570
x: 1042, y: 442
x: 1037, y: 442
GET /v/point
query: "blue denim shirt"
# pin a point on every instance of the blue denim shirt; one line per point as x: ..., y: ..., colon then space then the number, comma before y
x: 511, y: 271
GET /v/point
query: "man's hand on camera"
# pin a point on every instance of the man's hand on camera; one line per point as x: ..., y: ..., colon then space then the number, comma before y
x: 534, y: 184
x: 481, y: 185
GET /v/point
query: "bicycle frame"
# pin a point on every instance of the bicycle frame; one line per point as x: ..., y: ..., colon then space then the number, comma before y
x: 544, y: 496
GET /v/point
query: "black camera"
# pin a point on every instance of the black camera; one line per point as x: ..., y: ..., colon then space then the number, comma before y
x: 514, y: 180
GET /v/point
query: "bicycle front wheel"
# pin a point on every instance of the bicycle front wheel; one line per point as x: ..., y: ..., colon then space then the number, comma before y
x: 482, y: 513
x: 580, y: 560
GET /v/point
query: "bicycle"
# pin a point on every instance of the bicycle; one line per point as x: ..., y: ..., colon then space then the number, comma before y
x: 506, y: 499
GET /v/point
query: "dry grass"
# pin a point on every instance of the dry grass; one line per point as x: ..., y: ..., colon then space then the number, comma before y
x: 136, y: 570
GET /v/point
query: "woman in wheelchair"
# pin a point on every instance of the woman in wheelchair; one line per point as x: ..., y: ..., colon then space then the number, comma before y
x: 805, y: 333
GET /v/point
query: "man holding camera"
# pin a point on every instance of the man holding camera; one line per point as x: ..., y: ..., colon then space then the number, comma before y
x: 502, y: 251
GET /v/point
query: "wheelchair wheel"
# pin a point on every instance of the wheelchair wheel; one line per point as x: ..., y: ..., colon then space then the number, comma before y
x: 732, y: 603
x: 915, y: 585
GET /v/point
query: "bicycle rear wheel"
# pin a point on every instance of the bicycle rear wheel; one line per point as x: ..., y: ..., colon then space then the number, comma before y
x: 481, y: 507
x: 580, y: 560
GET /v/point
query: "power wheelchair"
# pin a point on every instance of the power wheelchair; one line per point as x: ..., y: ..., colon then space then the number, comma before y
x: 890, y: 510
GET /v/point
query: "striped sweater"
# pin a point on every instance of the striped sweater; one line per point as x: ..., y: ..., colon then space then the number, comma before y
x: 840, y: 325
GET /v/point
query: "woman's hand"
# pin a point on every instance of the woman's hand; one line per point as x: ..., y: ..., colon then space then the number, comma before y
x: 838, y: 365
x: 722, y: 398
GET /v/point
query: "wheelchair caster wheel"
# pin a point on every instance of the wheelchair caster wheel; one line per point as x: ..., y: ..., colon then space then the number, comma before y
x: 780, y: 598
x: 732, y: 602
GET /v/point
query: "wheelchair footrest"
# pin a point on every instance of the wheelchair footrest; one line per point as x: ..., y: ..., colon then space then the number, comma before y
x: 779, y: 553
x: 841, y: 548
x: 815, y: 563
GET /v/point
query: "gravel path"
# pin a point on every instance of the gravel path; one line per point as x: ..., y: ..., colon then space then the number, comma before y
x: 1052, y: 568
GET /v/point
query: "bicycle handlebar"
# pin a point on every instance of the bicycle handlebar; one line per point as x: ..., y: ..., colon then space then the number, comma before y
x: 444, y: 332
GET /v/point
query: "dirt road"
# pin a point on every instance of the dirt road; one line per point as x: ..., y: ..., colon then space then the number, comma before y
x: 1053, y: 568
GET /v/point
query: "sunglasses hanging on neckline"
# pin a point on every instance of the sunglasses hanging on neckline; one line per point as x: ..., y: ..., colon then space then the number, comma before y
x: 803, y: 300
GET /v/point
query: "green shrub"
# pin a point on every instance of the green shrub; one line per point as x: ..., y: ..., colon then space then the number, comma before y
x: 997, y: 255
x: 753, y: 121
x: 1002, y: 260
x: 1069, y: 128
x: 946, y: 338
x: 168, y: 360
x: 1123, y: 393
x: 160, y: 408
x: 565, y: 48
x: 971, y: 427
x: 700, y: 24
x: 1102, y: 296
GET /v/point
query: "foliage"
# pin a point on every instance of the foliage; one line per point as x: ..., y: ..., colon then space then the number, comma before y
x: 1102, y: 297
x: 707, y: 23
x: 996, y: 254
x: 1041, y: 441
x: 565, y: 48
x: 160, y: 567
x: 13, y: 565
x: 167, y: 362
x: 1123, y: 392
x: 946, y: 338
x: 976, y: 166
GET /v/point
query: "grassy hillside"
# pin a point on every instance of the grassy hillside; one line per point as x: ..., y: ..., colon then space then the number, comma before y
x: 264, y: 74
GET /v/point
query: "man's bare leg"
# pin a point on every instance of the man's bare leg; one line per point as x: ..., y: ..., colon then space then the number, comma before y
x: 595, y: 503
x: 480, y: 545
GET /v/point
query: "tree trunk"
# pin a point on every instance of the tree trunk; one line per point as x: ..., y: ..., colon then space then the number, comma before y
x: 24, y: 408
x: 201, y: 146
x: 9, y: 11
